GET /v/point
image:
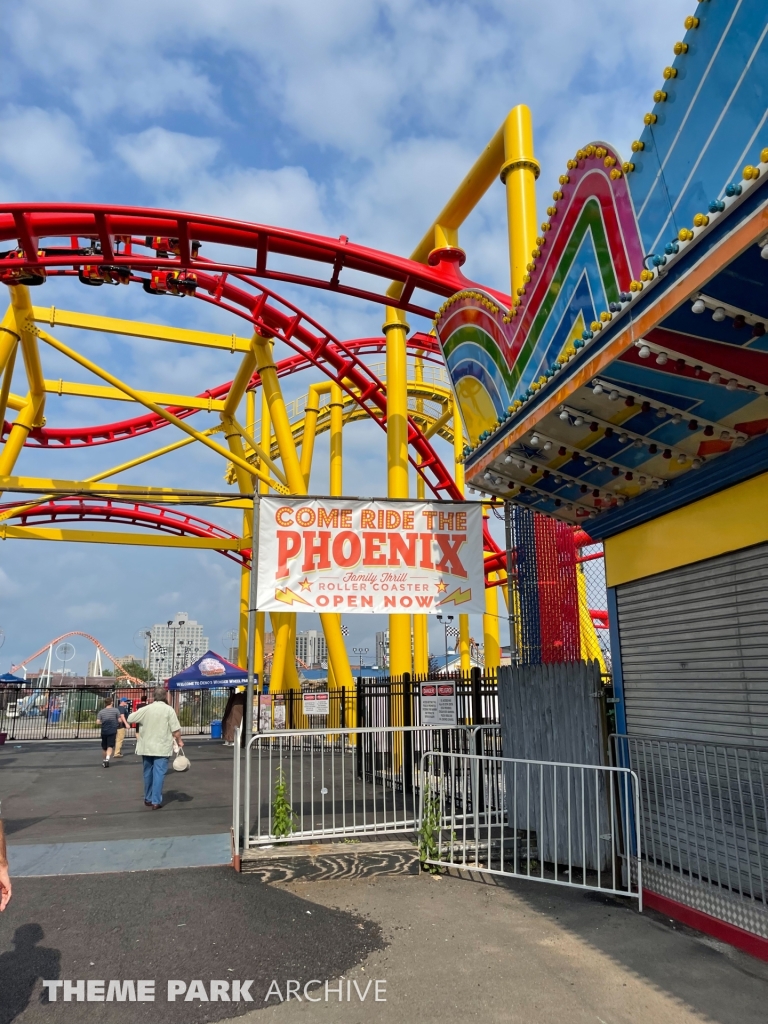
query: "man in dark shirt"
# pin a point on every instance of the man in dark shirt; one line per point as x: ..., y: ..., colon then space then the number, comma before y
x: 110, y: 719
x: 124, y: 706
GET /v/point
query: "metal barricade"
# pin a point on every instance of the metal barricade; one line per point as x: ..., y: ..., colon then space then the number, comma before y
x: 566, y: 824
x: 312, y: 784
x: 704, y: 810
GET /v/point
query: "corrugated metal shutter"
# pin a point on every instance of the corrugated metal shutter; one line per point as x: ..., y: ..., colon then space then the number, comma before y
x: 694, y: 650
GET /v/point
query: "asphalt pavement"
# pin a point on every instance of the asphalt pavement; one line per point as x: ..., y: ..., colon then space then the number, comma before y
x: 183, y: 925
x: 58, y: 792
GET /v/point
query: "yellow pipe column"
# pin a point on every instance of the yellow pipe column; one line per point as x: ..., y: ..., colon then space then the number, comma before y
x: 420, y: 622
x: 336, y: 479
x: 458, y: 475
x: 311, y: 410
x: 245, y: 572
x: 491, y: 639
x: 19, y: 322
x: 519, y: 173
x: 396, y: 328
x: 266, y: 445
x: 337, y: 652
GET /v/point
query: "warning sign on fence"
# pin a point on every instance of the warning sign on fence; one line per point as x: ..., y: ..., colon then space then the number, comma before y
x: 438, y: 704
x: 316, y: 703
x: 365, y: 557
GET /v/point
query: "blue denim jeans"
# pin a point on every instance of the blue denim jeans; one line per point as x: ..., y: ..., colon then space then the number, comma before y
x: 154, y: 776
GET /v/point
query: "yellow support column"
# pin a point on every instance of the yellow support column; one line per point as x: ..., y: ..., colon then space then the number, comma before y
x: 336, y: 478
x: 19, y: 323
x: 396, y: 330
x: 281, y: 627
x: 519, y: 173
x: 458, y: 475
x: 491, y: 626
x: 420, y: 622
x: 245, y: 572
x: 337, y: 652
x: 266, y: 445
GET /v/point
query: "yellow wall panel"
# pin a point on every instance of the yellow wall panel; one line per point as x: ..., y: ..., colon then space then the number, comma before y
x: 734, y: 518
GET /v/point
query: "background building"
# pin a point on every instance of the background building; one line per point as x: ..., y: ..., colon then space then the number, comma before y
x: 382, y: 649
x: 311, y: 648
x: 171, y: 647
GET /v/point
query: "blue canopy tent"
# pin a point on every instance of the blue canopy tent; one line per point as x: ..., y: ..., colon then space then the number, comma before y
x: 208, y: 672
x: 6, y: 677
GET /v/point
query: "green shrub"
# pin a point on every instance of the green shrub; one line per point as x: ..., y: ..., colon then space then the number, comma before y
x: 283, y: 817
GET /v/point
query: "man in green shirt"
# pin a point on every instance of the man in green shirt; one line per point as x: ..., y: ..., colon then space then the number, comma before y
x: 159, y: 728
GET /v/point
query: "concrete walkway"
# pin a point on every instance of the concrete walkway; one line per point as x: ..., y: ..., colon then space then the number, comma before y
x: 44, y: 859
x: 526, y: 953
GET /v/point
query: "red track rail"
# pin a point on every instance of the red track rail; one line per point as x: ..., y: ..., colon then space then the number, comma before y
x: 138, y: 513
x: 32, y: 223
x: 269, y: 314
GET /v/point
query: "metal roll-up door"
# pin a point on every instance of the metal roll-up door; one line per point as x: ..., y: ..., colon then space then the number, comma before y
x: 694, y: 650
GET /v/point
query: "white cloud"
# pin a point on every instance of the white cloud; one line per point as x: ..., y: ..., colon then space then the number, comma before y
x: 287, y: 197
x: 41, y: 150
x: 162, y: 157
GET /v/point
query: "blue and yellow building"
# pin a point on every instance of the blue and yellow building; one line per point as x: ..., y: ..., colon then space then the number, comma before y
x: 626, y: 391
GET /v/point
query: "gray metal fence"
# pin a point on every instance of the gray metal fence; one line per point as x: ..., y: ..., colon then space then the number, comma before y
x: 566, y: 824
x: 314, y: 784
x: 704, y: 810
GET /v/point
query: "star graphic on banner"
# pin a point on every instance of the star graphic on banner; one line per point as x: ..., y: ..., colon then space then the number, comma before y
x: 441, y: 587
x: 305, y: 584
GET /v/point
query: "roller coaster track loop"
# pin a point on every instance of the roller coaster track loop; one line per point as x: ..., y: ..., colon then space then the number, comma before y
x: 294, y: 328
x: 132, y: 513
x: 105, y: 225
x: 121, y: 673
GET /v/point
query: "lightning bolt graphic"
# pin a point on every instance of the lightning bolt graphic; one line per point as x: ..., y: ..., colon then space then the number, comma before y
x: 458, y: 596
x: 288, y: 597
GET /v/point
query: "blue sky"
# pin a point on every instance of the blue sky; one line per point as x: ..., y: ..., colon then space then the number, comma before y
x: 348, y: 116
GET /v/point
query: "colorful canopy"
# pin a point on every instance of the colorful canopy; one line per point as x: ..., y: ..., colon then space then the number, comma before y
x: 6, y: 677
x: 209, y: 671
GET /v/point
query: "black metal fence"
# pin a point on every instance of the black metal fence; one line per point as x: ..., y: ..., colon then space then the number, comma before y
x: 389, y: 701
x: 69, y: 713
x: 36, y: 713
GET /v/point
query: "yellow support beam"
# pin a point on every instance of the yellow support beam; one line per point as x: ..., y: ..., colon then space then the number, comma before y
x: 113, y: 537
x: 137, y: 329
x: 136, y: 492
x: 25, y: 327
x: 31, y: 415
x: 508, y: 155
x: 65, y: 387
x: 138, y: 396
x: 7, y: 375
x: 245, y: 576
x: 396, y: 328
x: 440, y: 422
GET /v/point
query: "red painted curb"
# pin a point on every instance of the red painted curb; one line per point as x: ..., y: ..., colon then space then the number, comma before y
x: 730, y: 933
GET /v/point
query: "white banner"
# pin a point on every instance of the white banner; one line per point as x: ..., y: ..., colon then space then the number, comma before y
x: 363, y: 557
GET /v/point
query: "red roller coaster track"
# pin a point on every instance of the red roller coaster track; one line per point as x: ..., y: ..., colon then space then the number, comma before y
x: 289, y: 324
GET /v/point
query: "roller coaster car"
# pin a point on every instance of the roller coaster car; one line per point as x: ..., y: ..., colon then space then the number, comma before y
x: 165, y: 247
x: 97, y: 274
x: 173, y: 282
x: 30, y: 276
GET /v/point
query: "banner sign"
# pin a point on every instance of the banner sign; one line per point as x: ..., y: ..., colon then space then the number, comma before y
x: 438, y: 704
x: 316, y: 703
x: 363, y: 557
